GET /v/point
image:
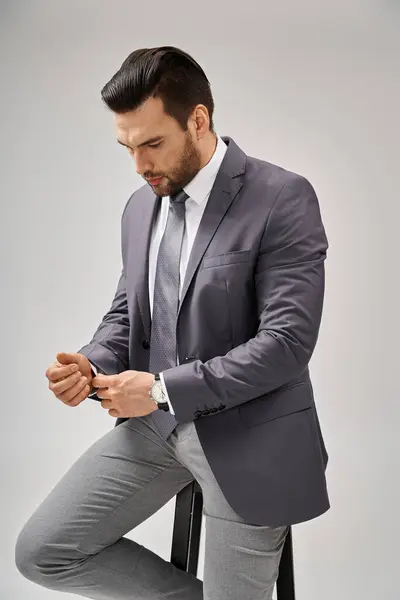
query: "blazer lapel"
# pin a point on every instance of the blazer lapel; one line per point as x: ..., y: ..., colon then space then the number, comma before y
x: 226, y: 187
x: 218, y: 203
x: 145, y: 219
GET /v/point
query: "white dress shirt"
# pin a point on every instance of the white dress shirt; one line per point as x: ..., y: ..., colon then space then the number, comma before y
x: 198, y: 190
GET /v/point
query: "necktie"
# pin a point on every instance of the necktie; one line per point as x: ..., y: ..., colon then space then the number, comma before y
x: 163, y: 350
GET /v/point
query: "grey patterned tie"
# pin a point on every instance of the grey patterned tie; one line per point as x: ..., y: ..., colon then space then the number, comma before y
x: 165, y: 304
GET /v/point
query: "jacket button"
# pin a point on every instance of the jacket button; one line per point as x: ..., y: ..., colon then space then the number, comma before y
x: 206, y: 412
x: 197, y: 414
x: 146, y: 344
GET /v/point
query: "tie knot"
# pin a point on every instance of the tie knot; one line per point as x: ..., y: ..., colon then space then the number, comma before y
x: 179, y: 197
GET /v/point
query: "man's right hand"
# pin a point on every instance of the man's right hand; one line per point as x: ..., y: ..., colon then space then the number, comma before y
x: 70, y: 378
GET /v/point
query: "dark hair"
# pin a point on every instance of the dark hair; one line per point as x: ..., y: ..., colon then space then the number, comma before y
x: 165, y: 72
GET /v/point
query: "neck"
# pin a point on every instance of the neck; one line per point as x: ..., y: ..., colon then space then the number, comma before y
x: 209, y: 146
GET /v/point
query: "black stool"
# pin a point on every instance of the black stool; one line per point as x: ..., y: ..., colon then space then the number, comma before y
x: 186, y: 540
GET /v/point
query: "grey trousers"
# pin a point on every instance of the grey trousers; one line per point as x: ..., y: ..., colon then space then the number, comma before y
x: 74, y: 540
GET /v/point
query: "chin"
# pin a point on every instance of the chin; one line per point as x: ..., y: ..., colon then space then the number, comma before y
x: 160, y: 190
x: 163, y: 190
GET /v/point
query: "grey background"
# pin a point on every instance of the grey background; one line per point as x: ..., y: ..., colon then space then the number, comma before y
x: 312, y: 86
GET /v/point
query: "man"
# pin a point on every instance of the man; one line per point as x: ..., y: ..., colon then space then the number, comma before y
x: 203, y: 358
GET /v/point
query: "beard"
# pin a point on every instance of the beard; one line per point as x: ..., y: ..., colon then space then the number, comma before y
x: 188, y: 165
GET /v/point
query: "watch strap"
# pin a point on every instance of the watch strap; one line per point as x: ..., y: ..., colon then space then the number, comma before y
x: 160, y: 405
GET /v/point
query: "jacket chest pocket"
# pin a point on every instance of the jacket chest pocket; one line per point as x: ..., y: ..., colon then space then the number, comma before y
x: 230, y: 258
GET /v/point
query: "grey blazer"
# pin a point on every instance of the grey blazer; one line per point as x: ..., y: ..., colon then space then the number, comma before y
x: 248, y: 323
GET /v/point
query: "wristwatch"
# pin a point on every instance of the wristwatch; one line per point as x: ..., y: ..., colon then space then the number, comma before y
x: 157, y: 394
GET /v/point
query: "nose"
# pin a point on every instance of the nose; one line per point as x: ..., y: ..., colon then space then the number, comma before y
x: 143, y: 165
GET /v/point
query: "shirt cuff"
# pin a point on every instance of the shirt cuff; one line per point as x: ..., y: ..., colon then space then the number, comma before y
x: 171, y: 410
x: 94, y: 369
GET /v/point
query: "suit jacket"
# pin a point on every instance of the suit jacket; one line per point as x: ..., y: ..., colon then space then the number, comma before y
x: 248, y: 323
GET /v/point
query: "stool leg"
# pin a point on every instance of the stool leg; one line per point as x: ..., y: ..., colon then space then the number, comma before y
x: 285, y: 582
x: 187, y: 528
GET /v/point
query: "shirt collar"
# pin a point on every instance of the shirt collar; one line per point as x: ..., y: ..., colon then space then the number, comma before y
x: 201, y: 185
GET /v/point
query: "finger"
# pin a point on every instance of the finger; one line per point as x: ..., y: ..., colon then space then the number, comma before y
x: 103, y: 381
x: 106, y: 403
x: 70, y: 394
x: 58, y: 372
x: 55, y: 373
x: 103, y: 393
x: 83, y: 394
x: 59, y: 387
x: 67, y: 358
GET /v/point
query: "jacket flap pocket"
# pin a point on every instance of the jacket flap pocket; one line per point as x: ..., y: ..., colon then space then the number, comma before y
x: 284, y: 401
x: 226, y: 259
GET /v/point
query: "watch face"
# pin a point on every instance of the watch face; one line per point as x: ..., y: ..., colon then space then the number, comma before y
x: 157, y: 392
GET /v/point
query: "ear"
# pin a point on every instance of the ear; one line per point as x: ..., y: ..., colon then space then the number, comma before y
x: 201, y: 121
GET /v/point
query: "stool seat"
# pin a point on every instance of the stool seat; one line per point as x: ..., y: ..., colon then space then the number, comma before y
x: 186, y: 540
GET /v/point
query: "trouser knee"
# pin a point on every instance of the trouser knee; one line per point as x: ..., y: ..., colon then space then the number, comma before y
x: 42, y: 560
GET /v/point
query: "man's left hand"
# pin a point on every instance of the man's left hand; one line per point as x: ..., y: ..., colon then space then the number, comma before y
x: 126, y: 394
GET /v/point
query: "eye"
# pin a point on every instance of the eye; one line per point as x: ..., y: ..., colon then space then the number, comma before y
x: 155, y: 145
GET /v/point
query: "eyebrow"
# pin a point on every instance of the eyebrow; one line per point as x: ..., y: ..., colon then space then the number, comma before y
x: 150, y: 141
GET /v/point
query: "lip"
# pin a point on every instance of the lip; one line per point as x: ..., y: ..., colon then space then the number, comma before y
x: 155, y: 181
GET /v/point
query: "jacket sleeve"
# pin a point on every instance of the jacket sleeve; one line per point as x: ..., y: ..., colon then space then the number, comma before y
x: 289, y: 280
x: 108, y: 350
